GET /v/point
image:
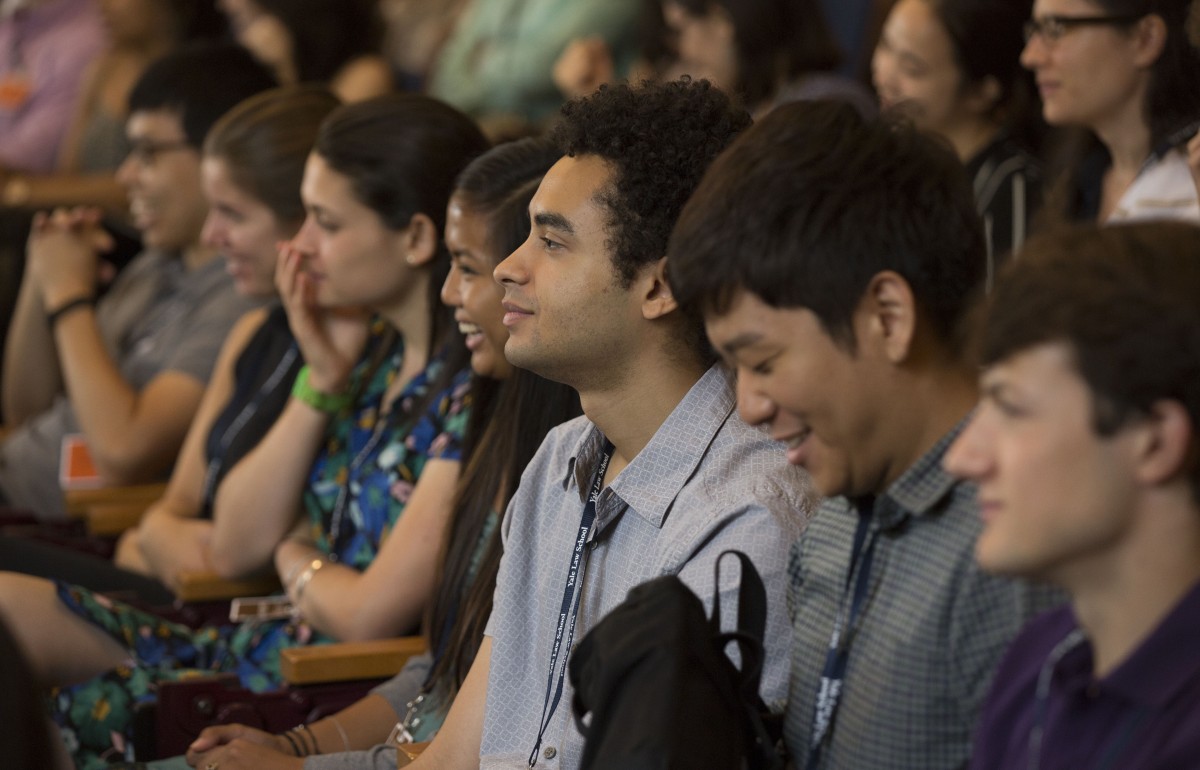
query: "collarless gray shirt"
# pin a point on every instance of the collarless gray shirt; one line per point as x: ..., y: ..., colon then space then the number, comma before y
x: 157, y: 317
x: 930, y: 634
x: 705, y: 483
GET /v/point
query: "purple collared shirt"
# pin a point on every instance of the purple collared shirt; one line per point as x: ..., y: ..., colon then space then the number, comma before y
x: 1145, y: 714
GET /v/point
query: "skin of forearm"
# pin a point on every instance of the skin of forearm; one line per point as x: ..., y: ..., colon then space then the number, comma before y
x: 104, y: 402
x: 32, y: 376
x: 366, y: 723
x: 241, y: 543
x: 171, y: 544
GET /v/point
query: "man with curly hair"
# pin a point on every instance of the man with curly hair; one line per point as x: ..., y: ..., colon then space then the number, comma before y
x: 672, y: 475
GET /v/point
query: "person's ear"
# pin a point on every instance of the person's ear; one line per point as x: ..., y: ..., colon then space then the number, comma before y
x: 1163, y: 442
x: 886, y: 317
x: 419, y: 240
x: 655, y: 291
x: 1149, y: 39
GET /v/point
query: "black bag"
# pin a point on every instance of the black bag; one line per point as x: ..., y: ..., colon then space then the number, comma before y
x: 660, y: 691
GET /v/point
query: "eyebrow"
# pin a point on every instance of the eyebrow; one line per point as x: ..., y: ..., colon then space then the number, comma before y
x: 555, y: 221
x: 742, y: 340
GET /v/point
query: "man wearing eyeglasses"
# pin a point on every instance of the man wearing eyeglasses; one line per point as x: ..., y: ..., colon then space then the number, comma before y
x: 126, y: 370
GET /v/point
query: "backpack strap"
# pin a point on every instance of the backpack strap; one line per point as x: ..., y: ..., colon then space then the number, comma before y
x: 751, y: 618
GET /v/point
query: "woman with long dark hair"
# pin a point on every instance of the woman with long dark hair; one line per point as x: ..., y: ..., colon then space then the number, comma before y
x: 1122, y: 75
x: 350, y: 487
x: 488, y: 217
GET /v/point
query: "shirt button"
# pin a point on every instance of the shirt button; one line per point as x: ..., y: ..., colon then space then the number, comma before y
x: 1093, y: 690
x: 550, y: 752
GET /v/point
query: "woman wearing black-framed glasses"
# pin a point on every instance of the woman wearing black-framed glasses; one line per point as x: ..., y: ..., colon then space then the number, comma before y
x: 1122, y: 75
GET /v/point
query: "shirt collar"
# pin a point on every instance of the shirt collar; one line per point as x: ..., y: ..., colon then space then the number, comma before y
x: 654, y: 478
x: 920, y: 488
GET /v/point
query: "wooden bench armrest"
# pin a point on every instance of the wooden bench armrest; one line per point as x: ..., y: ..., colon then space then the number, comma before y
x: 78, y: 501
x: 348, y: 660
x: 209, y: 586
x: 107, y: 519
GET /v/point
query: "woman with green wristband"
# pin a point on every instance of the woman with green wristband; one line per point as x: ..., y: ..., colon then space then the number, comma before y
x: 488, y: 218
x: 324, y: 489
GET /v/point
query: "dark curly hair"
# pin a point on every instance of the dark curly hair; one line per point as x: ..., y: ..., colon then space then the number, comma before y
x: 659, y: 138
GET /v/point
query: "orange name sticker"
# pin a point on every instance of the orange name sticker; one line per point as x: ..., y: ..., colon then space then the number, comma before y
x: 77, y: 470
x: 14, y: 90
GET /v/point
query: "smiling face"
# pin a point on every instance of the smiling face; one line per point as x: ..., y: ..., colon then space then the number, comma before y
x: 567, y: 315
x: 243, y: 229
x: 162, y: 178
x: 915, y: 71
x: 807, y: 391
x: 354, y: 259
x: 1054, y: 495
x: 473, y: 293
x: 1094, y: 75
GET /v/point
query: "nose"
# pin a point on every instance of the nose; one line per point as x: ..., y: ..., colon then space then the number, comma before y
x: 969, y: 456
x: 451, y: 289
x: 1034, y: 53
x: 305, y: 239
x: 127, y: 171
x: 512, y: 269
x: 881, y: 71
x: 754, y: 407
x: 212, y: 233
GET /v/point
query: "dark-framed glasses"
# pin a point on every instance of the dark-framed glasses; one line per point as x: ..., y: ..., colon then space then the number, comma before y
x: 146, y: 152
x: 1052, y: 28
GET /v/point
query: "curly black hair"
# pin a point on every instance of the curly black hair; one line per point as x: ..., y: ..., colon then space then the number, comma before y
x: 660, y: 139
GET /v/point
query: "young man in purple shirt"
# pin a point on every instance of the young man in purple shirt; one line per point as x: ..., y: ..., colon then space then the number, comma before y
x: 1085, y: 452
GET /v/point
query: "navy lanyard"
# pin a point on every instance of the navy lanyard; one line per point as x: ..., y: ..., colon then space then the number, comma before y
x: 235, y: 426
x: 829, y: 693
x: 569, y: 611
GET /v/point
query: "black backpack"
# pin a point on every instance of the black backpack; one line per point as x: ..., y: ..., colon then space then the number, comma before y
x: 659, y: 689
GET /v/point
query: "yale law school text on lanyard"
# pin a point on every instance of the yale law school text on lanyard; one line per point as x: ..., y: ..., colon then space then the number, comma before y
x: 570, y: 610
x: 858, y: 581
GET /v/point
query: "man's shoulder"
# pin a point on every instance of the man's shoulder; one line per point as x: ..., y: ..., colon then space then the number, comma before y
x: 744, y: 464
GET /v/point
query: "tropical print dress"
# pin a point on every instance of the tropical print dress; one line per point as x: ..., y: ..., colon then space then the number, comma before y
x: 357, y: 488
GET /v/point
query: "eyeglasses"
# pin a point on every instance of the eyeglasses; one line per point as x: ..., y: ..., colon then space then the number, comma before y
x: 146, y: 152
x: 1052, y: 28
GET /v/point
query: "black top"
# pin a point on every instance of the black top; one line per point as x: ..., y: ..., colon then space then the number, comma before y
x: 263, y: 377
x: 1007, y: 181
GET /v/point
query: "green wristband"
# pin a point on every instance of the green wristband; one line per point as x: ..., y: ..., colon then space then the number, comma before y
x: 305, y: 393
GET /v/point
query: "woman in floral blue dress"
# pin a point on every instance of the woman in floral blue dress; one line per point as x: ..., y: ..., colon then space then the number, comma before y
x: 371, y: 432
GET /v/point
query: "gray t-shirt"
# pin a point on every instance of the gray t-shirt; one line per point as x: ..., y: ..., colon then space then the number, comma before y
x: 157, y: 317
x: 705, y: 483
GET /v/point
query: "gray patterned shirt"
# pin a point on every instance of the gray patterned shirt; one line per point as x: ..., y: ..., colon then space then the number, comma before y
x: 928, y: 638
x: 706, y: 482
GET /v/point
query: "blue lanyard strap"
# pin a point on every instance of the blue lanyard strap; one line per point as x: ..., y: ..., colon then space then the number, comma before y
x: 569, y: 611
x: 858, y: 582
